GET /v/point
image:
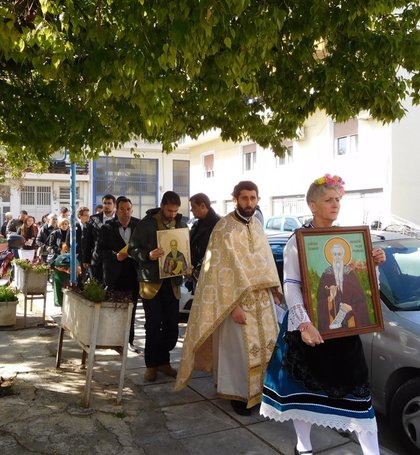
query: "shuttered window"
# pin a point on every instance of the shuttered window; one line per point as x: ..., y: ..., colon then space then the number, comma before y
x: 346, y: 137
x: 208, y: 164
x: 250, y: 156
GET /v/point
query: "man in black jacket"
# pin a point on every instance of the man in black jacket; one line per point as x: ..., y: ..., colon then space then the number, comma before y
x: 7, y: 217
x: 14, y: 224
x: 82, y: 219
x: 200, y: 231
x: 91, y: 258
x: 120, y: 270
x: 160, y: 296
x: 43, y: 236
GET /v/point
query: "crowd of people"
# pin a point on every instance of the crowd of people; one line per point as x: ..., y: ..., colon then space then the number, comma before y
x: 284, y: 366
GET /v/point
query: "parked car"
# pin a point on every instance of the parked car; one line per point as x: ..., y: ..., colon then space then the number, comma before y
x: 392, y: 355
x: 285, y: 223
x: 277, y: 243
x: 185, y: 303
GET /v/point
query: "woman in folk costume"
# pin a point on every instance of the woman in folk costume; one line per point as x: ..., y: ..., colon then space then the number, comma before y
x: 232, y: 327
x: 308, y: 380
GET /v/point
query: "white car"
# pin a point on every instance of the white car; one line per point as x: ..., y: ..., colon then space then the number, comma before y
x: 285, y: 223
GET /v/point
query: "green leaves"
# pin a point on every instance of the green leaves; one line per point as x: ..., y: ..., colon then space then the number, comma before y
x: 90, y: 75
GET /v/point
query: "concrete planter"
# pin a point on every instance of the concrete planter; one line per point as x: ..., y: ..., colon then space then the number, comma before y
x: 8, y: 313
x: 95, y: 326
x: 78, y: 318
x: 31, y: 282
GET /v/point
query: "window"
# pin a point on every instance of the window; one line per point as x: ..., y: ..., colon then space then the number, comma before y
x: 181, y: 183
x: 290, y: 224
x: 289, y: 205
x: 208, y: 164
x: 5, y: 193
x: 250, y: 157
x: 132, y: 177
x: 27, y: 195
x: 346, y: 137
x: 36, y: 200
x: 64, y: 194
x: 288, y: 156
x: 4, y: 201
x: 228, y: 206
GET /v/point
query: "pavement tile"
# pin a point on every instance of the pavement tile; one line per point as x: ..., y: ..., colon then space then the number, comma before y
x: 229, y: 442
x: 44, y: 416
x: 204, y: 386
x: 182, y: 420
x: 165, y: 395
x: 244, y: 420
x: 282, y: 435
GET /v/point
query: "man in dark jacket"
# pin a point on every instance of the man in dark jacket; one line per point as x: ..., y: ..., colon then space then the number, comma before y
x: 82, y: 219
x: 14, y: 224
x: 7, y: 217
x: 91, y: 258
x: 120, y: 270
x: 200, y: 231
x: 43, y: 236
x: 160, y: 296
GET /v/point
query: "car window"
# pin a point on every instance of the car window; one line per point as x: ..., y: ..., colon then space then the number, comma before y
x: 290, y: 224
x: 400, y: 273
x: 277, y: 223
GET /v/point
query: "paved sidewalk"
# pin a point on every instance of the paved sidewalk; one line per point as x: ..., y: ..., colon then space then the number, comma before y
x: 44, y: 416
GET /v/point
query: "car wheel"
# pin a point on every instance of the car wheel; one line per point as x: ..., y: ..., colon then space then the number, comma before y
x: 405, y: 413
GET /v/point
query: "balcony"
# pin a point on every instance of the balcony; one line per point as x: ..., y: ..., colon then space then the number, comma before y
x: 63, y: 167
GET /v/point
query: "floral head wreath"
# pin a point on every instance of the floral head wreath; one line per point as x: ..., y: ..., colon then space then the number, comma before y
x: 331, y: 180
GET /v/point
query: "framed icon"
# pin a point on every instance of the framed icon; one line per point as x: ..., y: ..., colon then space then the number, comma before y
x: 177, y: 256
x: 339, y: 282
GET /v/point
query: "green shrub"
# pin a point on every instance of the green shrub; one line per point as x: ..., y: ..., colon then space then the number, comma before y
x: 93, y: 290
x: 27, y: 265
x: 7, y: 294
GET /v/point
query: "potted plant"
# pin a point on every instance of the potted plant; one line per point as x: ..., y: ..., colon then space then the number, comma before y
x: 78, y: 314
x: 8, y: 303
x: 31, y: 277
x: 96, y: 318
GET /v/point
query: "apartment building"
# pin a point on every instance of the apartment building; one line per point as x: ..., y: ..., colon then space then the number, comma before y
x: 380, y: 164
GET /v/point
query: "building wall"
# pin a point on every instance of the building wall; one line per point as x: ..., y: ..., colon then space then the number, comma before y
x: 405, y: 196
x: 366, y: 173
x: 164, y: 178
x: 43, y: 204
x: 227, y: 171
x: 86, y: 183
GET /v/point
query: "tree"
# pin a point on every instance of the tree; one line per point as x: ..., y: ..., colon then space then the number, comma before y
x: 89, y: 75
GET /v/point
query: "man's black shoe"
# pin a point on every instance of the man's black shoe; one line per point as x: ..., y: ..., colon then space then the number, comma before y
x: 133, y: 348
x: 240, y: 408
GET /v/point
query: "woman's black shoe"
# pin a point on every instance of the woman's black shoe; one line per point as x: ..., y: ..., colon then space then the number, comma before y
x: 240, y: 408
x: 302, y: 453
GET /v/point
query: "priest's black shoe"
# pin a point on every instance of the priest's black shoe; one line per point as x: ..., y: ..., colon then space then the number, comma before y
x: 240, y: 408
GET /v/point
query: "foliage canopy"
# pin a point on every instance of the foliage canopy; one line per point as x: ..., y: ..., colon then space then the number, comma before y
x: 89, y: 75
